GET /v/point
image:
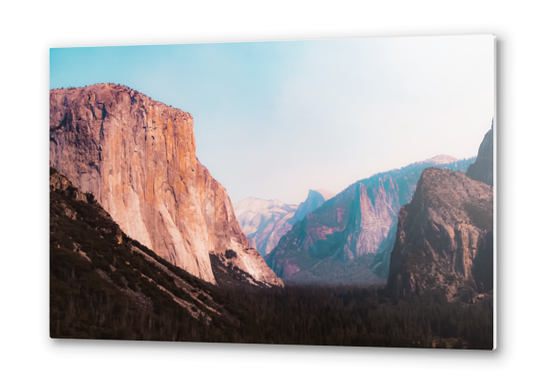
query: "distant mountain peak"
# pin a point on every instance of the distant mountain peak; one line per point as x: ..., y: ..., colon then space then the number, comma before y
x: 315, y: 199
x: 324, y: 192
x: 439, y: 159
x: 266, y: 221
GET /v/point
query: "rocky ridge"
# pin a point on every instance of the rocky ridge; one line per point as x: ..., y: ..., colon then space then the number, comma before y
x: 138, y: 158
x: 353, y: 230
x: 444, y: 239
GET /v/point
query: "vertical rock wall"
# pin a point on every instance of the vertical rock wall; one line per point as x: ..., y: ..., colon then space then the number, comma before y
x: 138, y: 157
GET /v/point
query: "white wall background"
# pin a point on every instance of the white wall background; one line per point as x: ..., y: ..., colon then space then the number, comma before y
x: 29, y: 29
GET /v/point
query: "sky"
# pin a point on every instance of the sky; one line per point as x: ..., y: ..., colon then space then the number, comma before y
x: 275, y: 119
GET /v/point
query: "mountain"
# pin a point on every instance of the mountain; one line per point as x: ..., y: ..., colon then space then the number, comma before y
x: 444, y: 238
x: 138, y: 158
x: 266, y: 221
x: 314, y: 200
x: 253, y: 213
x: 439, y: 160
x: 350, y: 237
x: 482, y: 169
x: 105, y: 285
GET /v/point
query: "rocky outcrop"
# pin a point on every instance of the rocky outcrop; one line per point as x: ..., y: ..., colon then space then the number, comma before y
x: 138, y: 158
x: 355, y: 228
x: 482, y: 169
x: 266, y: 221
x: 444, y: 238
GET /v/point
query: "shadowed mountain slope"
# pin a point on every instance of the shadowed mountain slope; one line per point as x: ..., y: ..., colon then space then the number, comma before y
x: 482, y: 169
x: 444, y: 238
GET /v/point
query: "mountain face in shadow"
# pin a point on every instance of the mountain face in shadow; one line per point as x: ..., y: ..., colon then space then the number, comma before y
x: 314, y: 200
x: 444, y: 239
x: 482, y: 169
x: 138, y: 158
x: 350, y: 237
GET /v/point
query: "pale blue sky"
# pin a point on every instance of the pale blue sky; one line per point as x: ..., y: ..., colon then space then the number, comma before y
x: 275, y: 119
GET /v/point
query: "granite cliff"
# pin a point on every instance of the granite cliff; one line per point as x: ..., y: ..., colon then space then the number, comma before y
x: 444, y: 238
x: 138, y: 158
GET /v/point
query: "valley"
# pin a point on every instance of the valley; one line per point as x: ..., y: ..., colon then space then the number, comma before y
x: 146, y: 245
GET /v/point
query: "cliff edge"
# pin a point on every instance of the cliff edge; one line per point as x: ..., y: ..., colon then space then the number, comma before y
x: 138, y: 158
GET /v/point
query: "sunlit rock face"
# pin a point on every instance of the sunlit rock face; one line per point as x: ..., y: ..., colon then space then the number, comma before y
x: 444, y: 238
x: 138, y: 157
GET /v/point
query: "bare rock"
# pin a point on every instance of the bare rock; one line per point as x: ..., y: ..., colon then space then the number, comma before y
x: 138, y: 158
x: 353, y: 232
x: 444, y: 238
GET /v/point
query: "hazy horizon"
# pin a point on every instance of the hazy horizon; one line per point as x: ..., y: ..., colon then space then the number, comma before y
x: 275, y: 119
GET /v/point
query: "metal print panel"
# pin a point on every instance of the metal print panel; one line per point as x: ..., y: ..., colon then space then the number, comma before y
x: 340, y: 192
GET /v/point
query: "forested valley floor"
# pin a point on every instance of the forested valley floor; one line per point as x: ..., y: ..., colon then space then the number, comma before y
x: 105, y: 285
x: 309, y: 315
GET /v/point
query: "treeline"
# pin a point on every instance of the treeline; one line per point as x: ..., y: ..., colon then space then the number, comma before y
x: 84, y: 305
x: 359, y: 316
x: 101, y: 288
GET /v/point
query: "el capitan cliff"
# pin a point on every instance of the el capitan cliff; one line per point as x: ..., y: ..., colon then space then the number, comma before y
x: 138, y: 158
